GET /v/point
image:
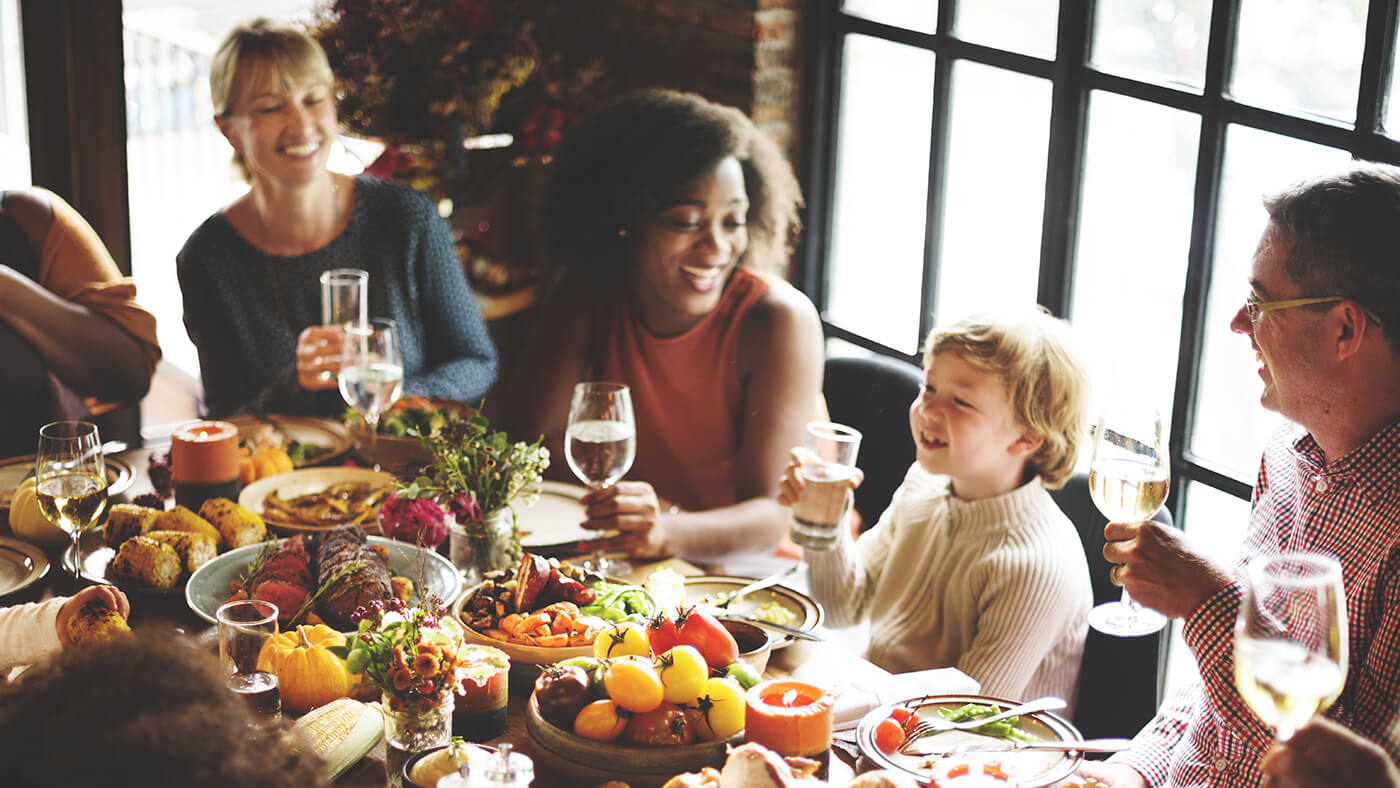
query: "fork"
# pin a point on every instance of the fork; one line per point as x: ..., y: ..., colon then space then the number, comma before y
x: 765, y: 582
x: 937, y: 725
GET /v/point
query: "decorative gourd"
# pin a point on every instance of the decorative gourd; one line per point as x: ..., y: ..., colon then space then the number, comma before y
x: 261, y: 462
x: 28, y: 521
x: 307, y: 674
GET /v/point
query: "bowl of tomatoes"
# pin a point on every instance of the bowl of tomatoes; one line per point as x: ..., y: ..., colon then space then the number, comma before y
x: 650, y: 702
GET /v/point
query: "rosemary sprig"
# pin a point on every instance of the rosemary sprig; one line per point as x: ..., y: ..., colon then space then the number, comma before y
x: 335, y: 578
x: 255, y: 566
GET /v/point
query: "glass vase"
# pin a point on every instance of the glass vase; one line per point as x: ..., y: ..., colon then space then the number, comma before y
x: 480, y: 546
x: 412, y: 729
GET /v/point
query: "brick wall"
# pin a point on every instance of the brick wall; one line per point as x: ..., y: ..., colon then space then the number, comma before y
x: 745, y: 53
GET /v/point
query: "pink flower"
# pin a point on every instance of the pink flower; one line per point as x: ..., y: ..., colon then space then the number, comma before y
x: 464, y: 507
x: 416, y: 520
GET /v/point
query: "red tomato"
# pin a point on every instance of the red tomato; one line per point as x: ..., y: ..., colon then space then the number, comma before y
x: 889, y: 735
x: 664, y: 725
x: 661, y: 633
x: 906, y: 717
x: 703, y: 631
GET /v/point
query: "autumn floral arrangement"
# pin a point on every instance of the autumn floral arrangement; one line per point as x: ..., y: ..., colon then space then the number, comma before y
x: 414, y: 655
x: 432, y: 77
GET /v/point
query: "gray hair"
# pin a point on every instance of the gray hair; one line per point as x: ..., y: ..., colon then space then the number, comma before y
x: 1346, y: 231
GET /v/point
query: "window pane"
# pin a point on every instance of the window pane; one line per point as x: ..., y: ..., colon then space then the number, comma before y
x: 1301, y: 55
x: 1140, y: 169
x: 996, y: 190
x: 14, y: 123
x: 1231, y: 427
x: 1215, y: 523
x: 920, y: 15
x: 173, y: 145
x: 1155, y: 40
x: 880, y: 208
x: 1026, y: 26
x: 1392, y: 105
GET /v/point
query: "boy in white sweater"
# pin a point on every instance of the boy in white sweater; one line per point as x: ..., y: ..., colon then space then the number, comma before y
x: 973, y: 564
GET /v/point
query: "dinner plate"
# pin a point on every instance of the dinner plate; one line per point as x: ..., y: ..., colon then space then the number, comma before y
x: 802, y: 611
x: 306, y: 430
x: 208, y: 587
x: 1027, y: 768
x: 304, y: 482
x: 15, y: 470
x: 21, y: 565
x: 94, y: 566
x: 554, y: 523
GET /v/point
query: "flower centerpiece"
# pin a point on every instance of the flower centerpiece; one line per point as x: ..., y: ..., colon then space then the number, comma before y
x: 415, y: 656
x: 474, y: 475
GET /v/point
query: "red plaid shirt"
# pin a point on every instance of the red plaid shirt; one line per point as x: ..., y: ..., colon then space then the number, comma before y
x: 1205, y: 734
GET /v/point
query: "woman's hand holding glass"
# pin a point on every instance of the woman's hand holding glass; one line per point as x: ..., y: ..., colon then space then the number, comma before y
x: 1291, y: 639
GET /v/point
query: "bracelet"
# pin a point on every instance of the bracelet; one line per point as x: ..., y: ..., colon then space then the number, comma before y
x: 673, y: 510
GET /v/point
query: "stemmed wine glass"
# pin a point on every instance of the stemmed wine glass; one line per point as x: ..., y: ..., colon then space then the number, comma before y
x: 1291, y: 639
x: 1128, y: 479
x: 600, y: 444
x: 71, y: 479
x: 371, y: 371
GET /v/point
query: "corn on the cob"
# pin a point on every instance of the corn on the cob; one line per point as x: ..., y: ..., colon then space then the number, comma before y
x: 341, y: 732
x: 125, y: 520
x: 95, y: 622
x: 145, y: 561
x: 182, y: 518
x: 193, y: 548
x: 238, y: 525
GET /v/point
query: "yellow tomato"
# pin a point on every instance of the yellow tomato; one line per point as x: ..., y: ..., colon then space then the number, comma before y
x: 621, y: 640
x: 633, y: 685
x: 683, y: 673
x: 600, y: 720
x: 719, y: 711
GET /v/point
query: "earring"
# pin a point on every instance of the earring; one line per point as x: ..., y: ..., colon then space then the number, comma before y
x: 622, y: 233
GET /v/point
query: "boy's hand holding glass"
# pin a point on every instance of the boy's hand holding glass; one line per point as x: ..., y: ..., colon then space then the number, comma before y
x: 822, y: 484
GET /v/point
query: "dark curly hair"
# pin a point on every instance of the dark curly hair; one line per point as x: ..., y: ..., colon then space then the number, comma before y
x: 637, y: 153
x: 139, y: 712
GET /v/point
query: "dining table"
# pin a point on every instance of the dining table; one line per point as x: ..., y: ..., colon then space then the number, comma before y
x: 825, y: 663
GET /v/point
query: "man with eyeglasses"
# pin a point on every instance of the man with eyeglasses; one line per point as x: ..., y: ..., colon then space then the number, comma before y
x: 1323, y: 307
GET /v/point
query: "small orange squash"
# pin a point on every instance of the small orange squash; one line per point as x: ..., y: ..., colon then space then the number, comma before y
x: 307, y: 674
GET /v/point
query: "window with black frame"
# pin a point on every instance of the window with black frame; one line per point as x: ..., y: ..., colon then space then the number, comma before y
x: 1105, y: 159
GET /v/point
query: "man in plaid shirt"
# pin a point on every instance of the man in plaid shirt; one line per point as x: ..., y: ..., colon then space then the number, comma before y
x: 1322, y: 315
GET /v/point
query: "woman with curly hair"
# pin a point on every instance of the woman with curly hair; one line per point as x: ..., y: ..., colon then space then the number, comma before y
x: 139, y: 712
x: 670, y: 215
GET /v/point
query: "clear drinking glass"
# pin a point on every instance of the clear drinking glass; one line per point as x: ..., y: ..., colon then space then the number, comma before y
x: 1128, y: 479
x: 371, y: 371
x: 344, y: 299
x: 600, y: 444
x: 71, y: 479
x: 1291, y: 639
x: 245, y: 627
x: 827, y: 466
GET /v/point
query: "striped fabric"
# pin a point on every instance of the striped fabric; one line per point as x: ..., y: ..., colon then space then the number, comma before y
x: 1205, y: 735
x: 997, y: 587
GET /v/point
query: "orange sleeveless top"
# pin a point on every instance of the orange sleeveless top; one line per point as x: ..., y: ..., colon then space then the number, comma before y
x: 686, y: 394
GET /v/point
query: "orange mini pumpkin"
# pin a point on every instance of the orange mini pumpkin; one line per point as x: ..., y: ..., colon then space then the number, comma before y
x: 307, y: 674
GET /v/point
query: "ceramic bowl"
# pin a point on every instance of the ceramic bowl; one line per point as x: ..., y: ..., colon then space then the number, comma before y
x: 755, y: 642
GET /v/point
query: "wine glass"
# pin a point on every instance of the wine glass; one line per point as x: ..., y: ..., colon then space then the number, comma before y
x: 1291, y: 639
x: 600, y: 444
x: 70, y: 479
x: 371, y: 371
x: 1128, y: 480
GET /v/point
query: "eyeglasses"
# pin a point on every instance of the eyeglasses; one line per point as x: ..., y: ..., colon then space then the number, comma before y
x: 1255, y: 307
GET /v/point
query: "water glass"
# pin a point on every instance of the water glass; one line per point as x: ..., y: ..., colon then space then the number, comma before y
x: 827, y: 467
x: 344, y: 296
x: 245, y: 627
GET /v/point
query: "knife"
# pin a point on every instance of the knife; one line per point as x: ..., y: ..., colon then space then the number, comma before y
x: 1087, y: 745
x: 801, y: 634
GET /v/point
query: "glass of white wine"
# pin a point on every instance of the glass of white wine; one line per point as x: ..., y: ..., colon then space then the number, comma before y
x: 371, y: 372
x: 1291, y: 639
x: 1128, y: 479
x: 71, y: 479
x: 600, y: 444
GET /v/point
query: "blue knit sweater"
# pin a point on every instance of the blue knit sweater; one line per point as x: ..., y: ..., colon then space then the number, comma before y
x: 244, y: 308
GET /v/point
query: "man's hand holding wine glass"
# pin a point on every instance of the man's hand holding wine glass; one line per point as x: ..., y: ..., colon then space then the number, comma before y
x: 1159, y: 568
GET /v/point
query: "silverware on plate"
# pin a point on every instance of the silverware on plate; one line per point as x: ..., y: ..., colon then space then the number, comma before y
x: 936, y: 725
x: 800, y: 634
x: 763, y: 582
x: 1087, y: 745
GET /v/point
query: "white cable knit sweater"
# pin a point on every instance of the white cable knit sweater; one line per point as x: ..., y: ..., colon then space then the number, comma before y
x: 28, y: 633
x: 997, y: 587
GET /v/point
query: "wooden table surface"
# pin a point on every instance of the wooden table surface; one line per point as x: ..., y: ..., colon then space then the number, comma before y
x: 169, y: 616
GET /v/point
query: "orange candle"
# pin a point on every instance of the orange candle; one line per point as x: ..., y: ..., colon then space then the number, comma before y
x: 204, y: 462
x: 789, y: 717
